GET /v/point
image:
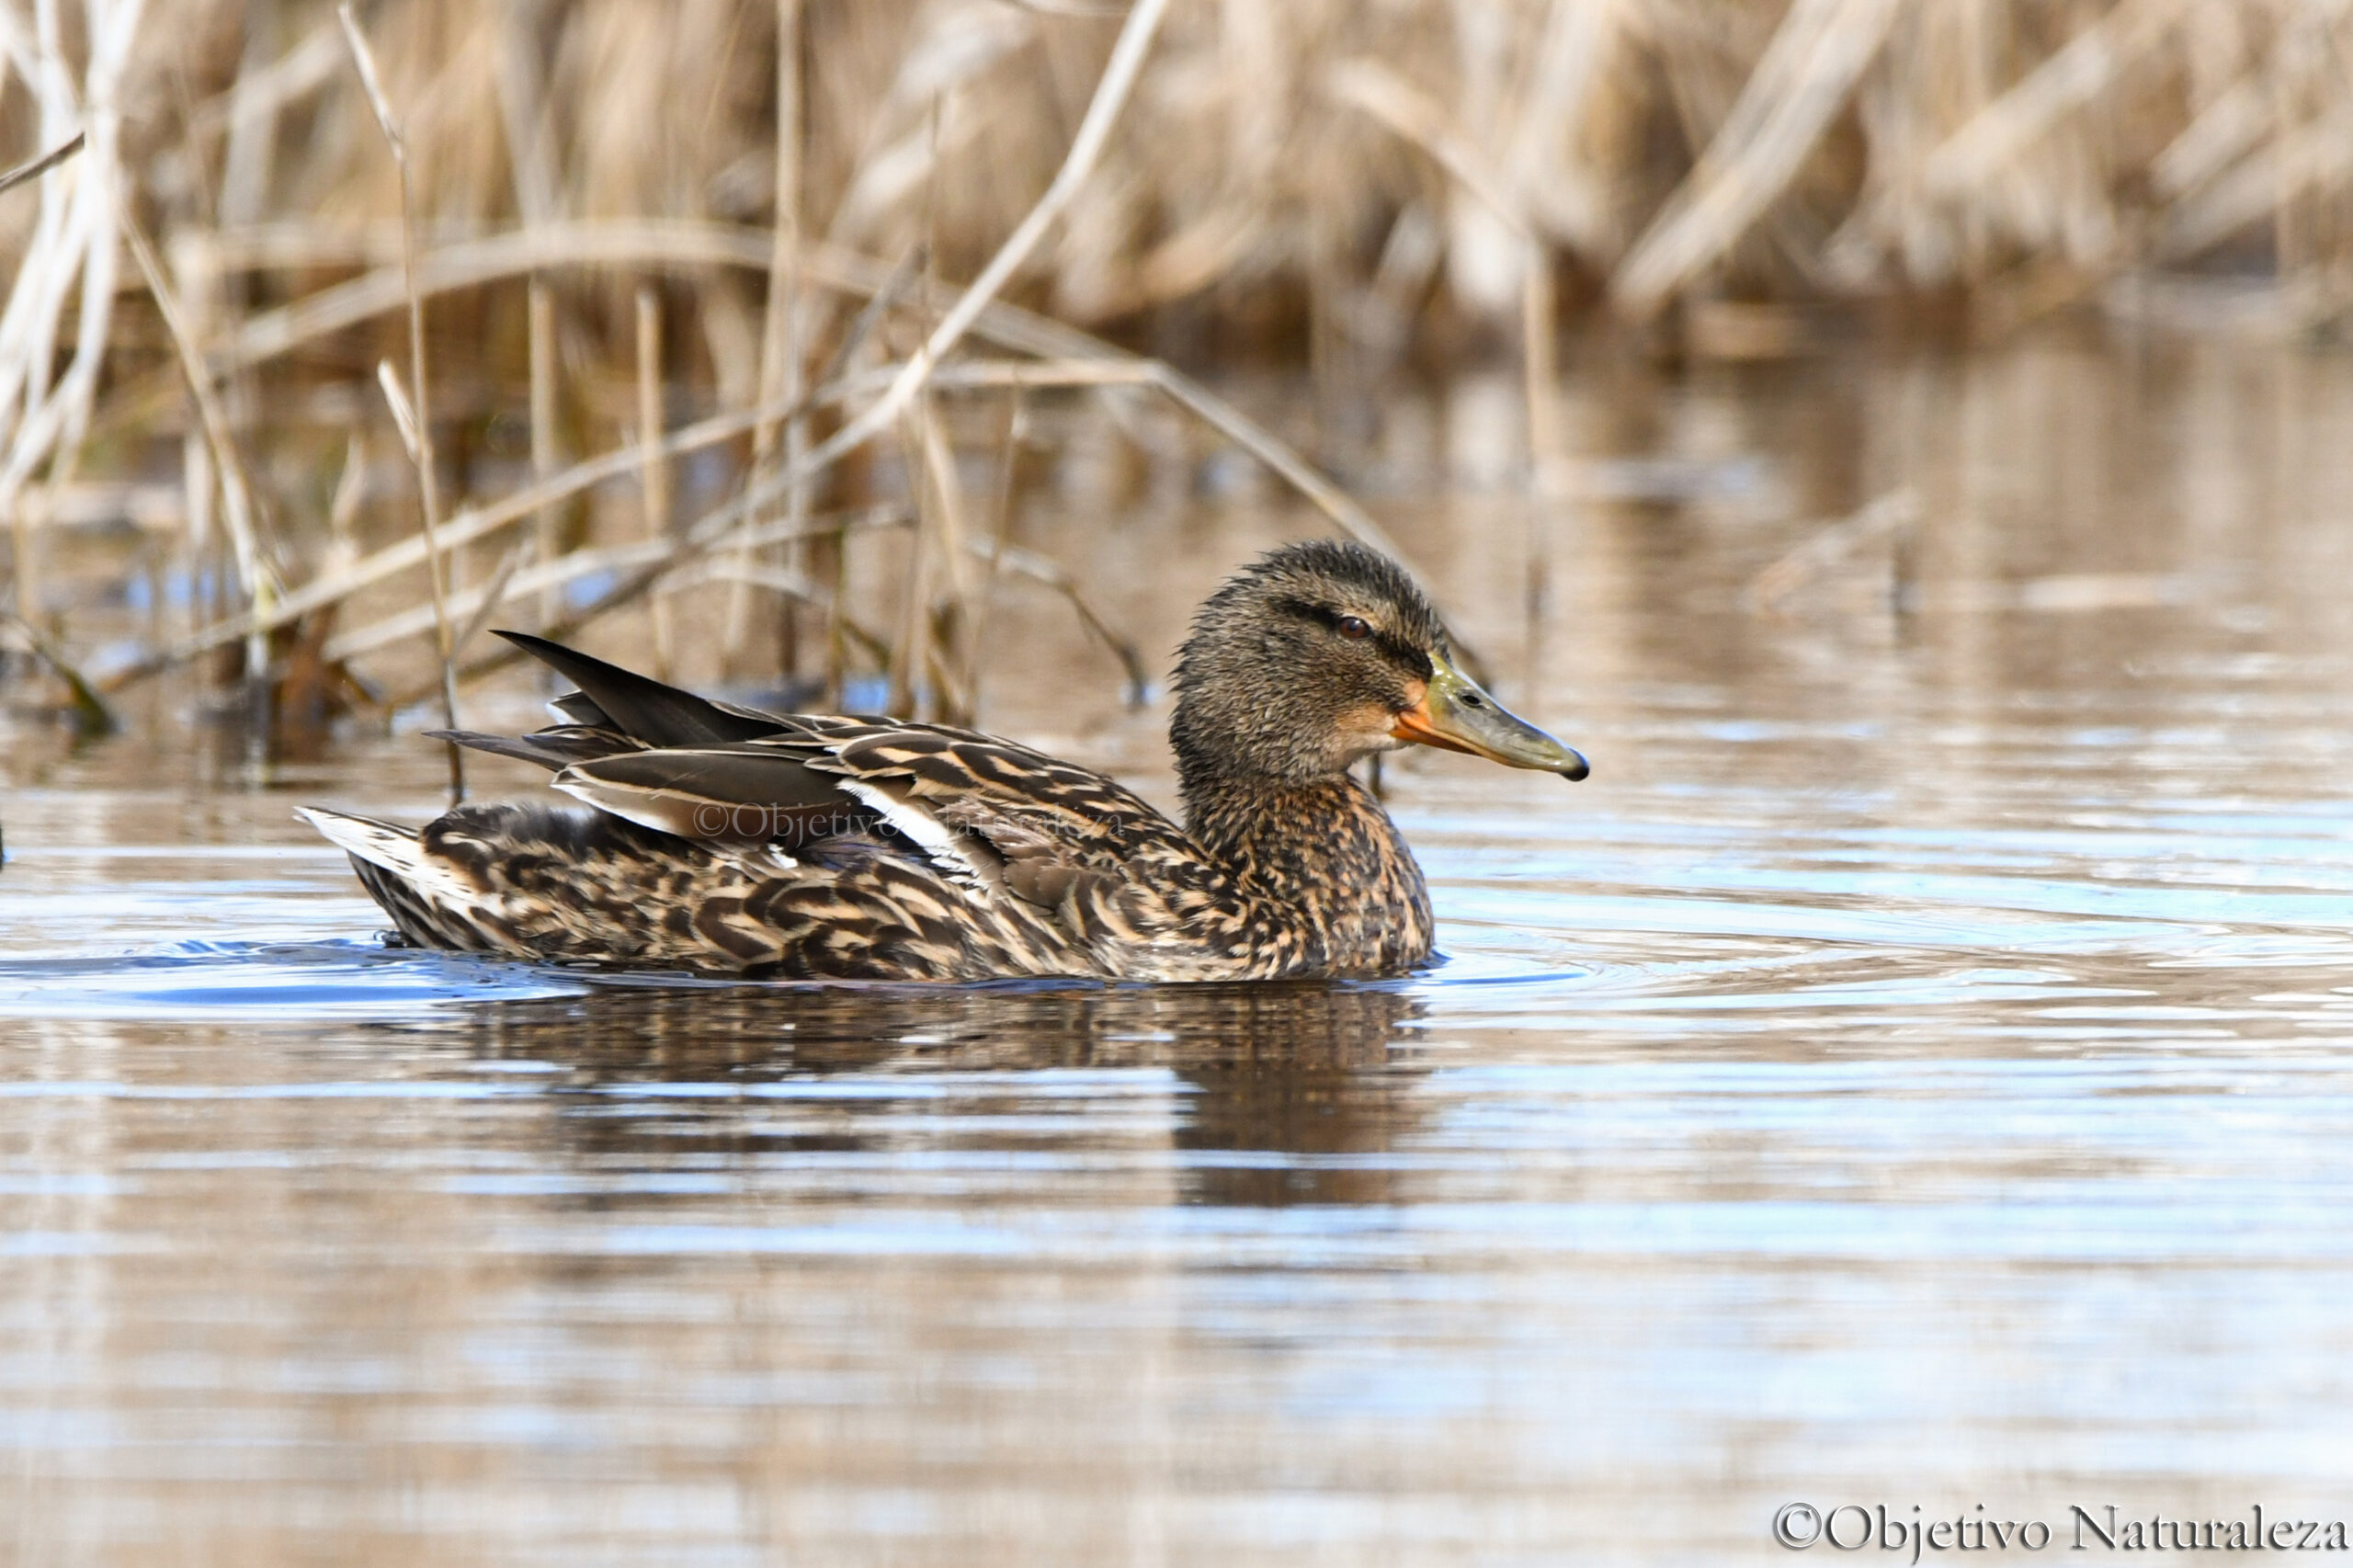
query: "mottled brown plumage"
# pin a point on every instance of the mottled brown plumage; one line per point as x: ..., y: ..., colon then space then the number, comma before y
x: 727, y: 840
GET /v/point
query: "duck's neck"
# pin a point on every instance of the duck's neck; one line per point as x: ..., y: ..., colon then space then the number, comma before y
x: 1319, y: 860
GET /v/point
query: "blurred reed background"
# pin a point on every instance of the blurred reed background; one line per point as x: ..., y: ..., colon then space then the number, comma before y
x: 703, y: 362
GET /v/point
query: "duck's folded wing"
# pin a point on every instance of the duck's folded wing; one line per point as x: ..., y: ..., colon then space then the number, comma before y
x: 1057, y: 836
x: 718, y: 795
x: 1000, y: 819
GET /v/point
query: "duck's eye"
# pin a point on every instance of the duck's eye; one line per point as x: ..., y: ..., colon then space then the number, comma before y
x: 1354, y: 628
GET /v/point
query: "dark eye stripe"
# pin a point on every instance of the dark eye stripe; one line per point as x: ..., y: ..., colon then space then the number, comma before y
x: 1402, y: 653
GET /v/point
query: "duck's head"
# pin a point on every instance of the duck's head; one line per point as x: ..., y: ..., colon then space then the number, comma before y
x: 1318, y: 655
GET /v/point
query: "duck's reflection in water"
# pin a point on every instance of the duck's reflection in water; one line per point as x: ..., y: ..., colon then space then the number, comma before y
x: 1298, y: 1091
x: 1279, y: 1094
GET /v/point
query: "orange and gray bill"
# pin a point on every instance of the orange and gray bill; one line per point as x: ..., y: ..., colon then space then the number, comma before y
x: 1454, y: 714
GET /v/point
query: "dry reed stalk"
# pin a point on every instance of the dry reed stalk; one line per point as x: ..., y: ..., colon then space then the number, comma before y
x: 837, y: 624
x: 35, y: 167
x: 416, y: 429
x: 91, y: 715
x: 1957, y: 173
x: 343, y: 509
x: 653, y: 472
x: 686, y: 245
x: 720, y: 530
x: 1802, y: 80
x: 520, y: 87
x: 265, y: 92
x: 738, y: 533
x: 1225, y: 156
x: 1087, y: 362
x: 1046, y: 570
x: 794, y: 586
x: 478, y: 604
x: 910, y: 638
x: 625, y: 245
x: 24, y: 561
x: 1572, y: 63
x: 715, y: 533
x: 1033, y: 334
x: 1327, y: 497
x: 936, y: 612
x: 2224, y: 132
x: 522, y: 107
x: 487, y: 599
x: 2070, y: 79
x: 1000, y: 536
x: 780, y: 352
x: 1101, y: 364
x: 226, y: 466
x: 1378, y: 91
x: 690, y: 245
x: 1102, y: 110
x: 411, y: 433
x: 72, y: 251
x: 195, y: 509
x: 2021, y: 181
x: 248, y: 161
x: 539, y: 313
x: 660, y: 562
x: 1396, y: 104
x: 2316, y: 157
x: 467, y: 527
x: 885, y: 297
x: 1029, y: 333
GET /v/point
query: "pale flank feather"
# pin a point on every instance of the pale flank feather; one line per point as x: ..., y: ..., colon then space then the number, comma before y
x: 393, y: 849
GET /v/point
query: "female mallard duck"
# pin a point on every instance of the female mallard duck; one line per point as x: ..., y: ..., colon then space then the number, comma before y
x: 728, y: 840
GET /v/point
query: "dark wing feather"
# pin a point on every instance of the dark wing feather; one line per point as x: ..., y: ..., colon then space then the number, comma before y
x: 558, y: 747
x: 576, y: 707
x: 646, y: 708
x: 737, y: 793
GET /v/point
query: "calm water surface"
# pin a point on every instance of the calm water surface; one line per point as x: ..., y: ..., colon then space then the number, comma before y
x: 1917, y: 1068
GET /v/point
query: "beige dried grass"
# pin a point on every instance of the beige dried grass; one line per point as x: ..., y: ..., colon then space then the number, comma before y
x: 1368, y: 173
x: 1597, y: 115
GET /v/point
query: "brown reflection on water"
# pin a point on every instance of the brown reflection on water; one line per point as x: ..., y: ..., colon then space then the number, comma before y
x: 1292, y: 1069
x: 826, y: 1272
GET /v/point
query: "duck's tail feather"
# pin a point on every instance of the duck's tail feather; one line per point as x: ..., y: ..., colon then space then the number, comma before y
x: 644, y: 708
x: 431, y: 900
x: 365, y: 838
